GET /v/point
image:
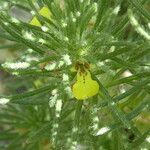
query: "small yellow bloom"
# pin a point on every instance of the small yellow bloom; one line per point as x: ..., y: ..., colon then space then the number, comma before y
x: 85, y: 86
x: 45, y: 12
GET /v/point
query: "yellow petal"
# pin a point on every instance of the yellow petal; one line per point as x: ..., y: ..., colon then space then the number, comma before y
x: 85, y: 87
x: 45, y: 12
x: 35, y: 22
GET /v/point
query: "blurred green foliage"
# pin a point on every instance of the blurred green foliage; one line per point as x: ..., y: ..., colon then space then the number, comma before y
x: 113, y: 36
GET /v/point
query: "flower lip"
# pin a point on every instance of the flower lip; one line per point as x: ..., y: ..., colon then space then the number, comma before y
x: 85, y: 86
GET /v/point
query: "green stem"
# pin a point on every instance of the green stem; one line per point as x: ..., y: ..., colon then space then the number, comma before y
x: 116, y: 145
x: 77, y: 119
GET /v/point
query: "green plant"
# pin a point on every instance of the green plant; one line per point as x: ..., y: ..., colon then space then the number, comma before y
x: 113, y: 38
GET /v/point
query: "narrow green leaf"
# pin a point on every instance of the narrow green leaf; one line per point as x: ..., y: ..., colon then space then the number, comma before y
x: 31, y: 93
x: 118, y: 114
x: 140, y: 9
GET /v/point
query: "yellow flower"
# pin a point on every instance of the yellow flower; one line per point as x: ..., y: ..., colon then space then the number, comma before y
x: 45, y: 12
x: 84, y: 87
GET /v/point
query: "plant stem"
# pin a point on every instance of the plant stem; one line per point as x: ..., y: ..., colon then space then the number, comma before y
x: 77, y: 119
